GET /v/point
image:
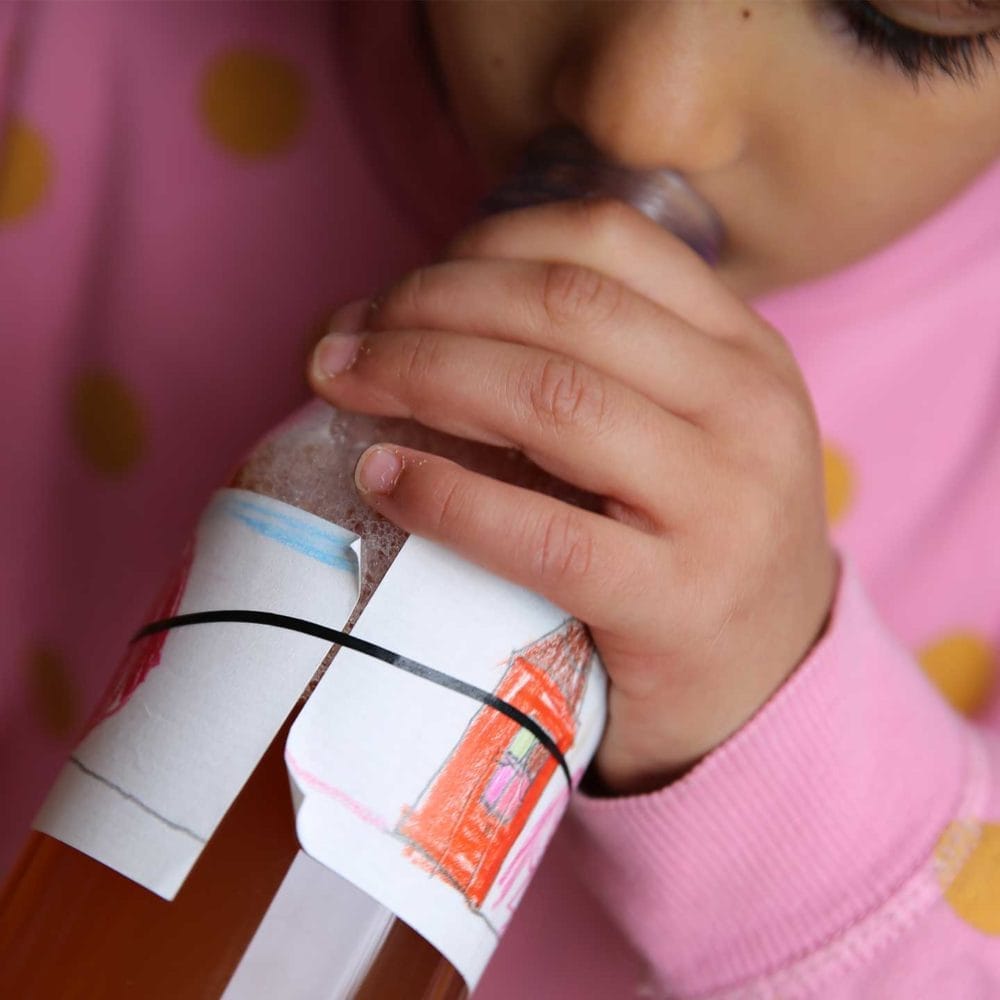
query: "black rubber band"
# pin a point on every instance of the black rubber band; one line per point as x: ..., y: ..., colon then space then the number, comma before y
x: 333, y: 635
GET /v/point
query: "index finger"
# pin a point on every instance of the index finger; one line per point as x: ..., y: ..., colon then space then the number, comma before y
x: 615, y: 239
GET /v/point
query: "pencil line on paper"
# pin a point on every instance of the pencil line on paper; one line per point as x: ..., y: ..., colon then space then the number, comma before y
x: 142, y: 805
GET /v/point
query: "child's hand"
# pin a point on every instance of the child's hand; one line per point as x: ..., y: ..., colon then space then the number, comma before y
x: 628, y: 370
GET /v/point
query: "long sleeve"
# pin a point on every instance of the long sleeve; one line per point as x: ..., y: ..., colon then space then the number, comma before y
x: 842, y: 833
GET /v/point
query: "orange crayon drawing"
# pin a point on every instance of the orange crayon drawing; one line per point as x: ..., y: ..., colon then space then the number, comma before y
x: 468, y: 817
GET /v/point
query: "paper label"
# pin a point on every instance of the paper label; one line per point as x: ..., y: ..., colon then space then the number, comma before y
x: 433, y: 803
x: 193, y: 709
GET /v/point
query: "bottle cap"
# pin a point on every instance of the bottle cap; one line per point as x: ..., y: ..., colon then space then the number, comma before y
x: 561, y: 164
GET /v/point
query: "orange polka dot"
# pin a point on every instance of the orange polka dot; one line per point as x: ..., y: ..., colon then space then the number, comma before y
x: 52, y: 690
x: 107, y: 423
x: 968, y: 859
x: 839, y: 480
x: 963, y: 667
x: 252, y: 103
x: 25, y: 171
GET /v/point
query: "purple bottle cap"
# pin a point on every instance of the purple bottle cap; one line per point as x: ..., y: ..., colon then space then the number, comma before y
x: 561, y: 164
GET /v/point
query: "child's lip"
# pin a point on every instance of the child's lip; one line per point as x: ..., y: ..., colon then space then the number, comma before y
x: 561, y: 163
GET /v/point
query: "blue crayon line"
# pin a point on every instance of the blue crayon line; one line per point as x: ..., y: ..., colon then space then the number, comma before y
x: 327, y: 544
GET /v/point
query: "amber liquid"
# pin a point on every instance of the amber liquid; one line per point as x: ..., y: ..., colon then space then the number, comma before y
x: 73, y: 929
x: 70, y: 927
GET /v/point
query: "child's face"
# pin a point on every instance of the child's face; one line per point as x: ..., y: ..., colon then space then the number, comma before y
x: 795, y: 119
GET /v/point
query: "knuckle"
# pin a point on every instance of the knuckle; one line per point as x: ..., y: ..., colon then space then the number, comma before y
x: 770, y: 399
x: 561, y: 393
x: 562, y: 548
x: 572, y: 295
x: 419, y: 356
x: 788, y: 418
x: 769, y: 411
x: 449, y: 505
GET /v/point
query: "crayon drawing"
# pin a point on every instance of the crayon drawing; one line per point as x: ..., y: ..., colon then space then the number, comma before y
x: 142, y: 656
x: 471, y: 812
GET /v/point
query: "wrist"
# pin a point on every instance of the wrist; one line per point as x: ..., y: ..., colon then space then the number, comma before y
x: 597, y: 784
x: 637, y: 766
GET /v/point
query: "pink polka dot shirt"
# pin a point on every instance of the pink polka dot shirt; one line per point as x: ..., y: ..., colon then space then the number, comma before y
x: 185, y: 193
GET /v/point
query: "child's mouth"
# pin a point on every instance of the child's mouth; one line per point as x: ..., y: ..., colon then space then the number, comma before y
x: 561, y: 163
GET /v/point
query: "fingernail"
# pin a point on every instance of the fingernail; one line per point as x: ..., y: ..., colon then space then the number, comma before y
x: 335, y: 353
x: 378, y: 471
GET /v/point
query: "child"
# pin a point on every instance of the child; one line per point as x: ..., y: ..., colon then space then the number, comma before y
x: 798, y: 491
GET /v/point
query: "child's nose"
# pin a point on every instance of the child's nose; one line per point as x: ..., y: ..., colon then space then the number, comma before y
x: 662, y: 84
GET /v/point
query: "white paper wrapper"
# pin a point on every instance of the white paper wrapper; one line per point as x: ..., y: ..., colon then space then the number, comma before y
x: 433, y: 803
x: 150, y: 782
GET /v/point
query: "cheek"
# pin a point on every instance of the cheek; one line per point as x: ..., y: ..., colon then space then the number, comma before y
x: 908, y: 155
x: 850, y: 172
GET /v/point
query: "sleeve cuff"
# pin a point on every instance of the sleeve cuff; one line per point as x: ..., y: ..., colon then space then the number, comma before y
x: 807, y: 818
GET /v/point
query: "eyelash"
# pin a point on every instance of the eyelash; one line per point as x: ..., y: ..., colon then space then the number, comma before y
x: 917, y: 54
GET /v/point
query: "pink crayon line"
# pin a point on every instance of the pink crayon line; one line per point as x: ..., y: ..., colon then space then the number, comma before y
x: 531, y: 849
x: 318, y: 784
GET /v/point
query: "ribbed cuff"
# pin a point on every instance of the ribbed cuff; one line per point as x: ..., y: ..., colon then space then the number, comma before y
x: 804, y: 821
